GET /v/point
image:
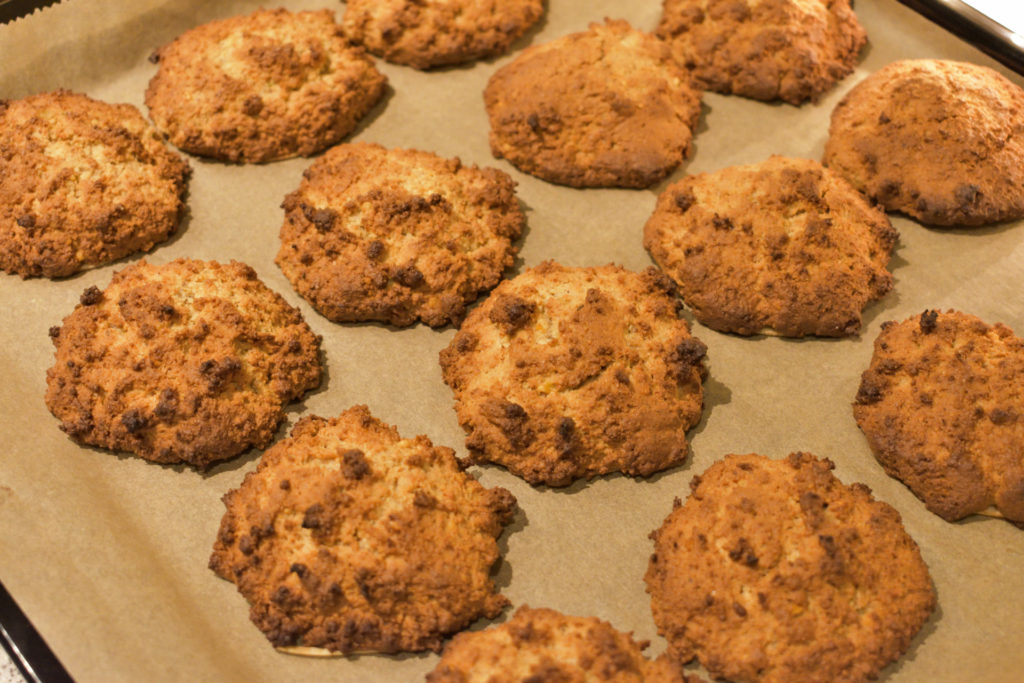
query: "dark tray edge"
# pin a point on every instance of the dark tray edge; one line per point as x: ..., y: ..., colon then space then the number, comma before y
x: 984, y: 33
x: 26, y: 648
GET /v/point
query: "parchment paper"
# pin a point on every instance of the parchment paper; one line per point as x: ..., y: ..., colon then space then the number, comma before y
x: 108, y: 554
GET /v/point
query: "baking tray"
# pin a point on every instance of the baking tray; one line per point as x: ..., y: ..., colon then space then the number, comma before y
x: 978, y: 28
x: 107, y: 554
x: 25, y: 647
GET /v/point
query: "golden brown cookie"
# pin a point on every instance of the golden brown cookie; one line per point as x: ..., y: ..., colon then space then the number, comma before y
x: 790, y: 50
x: 397, y: 235
x: 189, y: 362
x: 605, y: 107
x: 784, y: 244
x: 567, y: 373
x: 260, y: 87
x: 539, y: 645
x: 942, y: 409
x: 941, y: 141
x: 350, y: 538
x: 82, y: 183
x: 774, y: 571
x: 429, y: 33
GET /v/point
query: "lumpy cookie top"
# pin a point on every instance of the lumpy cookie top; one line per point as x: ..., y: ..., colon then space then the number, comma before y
x: 774, y: 571
x: 429, y: 33
x: 605, y: 107
x: 397, y: 235
x: 783, y: 245
x: 82, y: 183
x: 349, y: 538
x: 790, y: 50
x: 938, y: 140
x: 565, y: 373
x: 942, y: 409
x: 189, y: 362
x: 545, y: 645
x: 264, y: 86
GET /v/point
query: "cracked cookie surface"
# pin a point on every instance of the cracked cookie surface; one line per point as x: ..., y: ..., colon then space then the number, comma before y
x: 349, y: 538
x: 789, y: 50
x: 397, y: 235
x: 82, y: 183
x: 784, y: 245
x: 942, y: 409
x: 545, y: 645
x: 606, y: 107
x: 429, y: 33
x: 567, y: 373
x: 260, y: 87
x: 775, y: 571
x: 940, y: 141
x: 189, y: 362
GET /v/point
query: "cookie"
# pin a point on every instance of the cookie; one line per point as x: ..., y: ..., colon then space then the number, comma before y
x: 603, y: 108
x: 349, y: 538
x: 545, y: 645
x: 941, y: 407
x: 261, y: 87
x: 774, y: 571
x: 397, y: 235
x: 188, y: 362
x: 941, y: 141
x: 82, y: 183
x: 567, y: 373
x: 429, y: 33
x: 783, y: 245
x: 789, y: 50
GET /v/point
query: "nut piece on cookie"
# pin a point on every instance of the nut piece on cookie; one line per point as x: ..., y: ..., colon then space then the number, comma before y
x: 189, y: 362
x: 397, y: 235
x: 265, y: 86
x: 784, y: 245
x: 941, y: 141
x: 82, y: 183
x: 603, y: 108
x: 790, y: 50
x: 568, y: 373
x: 775, y: 571
x: 349, y: 538
x: 545, y: 645
x: 942, y: 410
x: 429, y: 33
